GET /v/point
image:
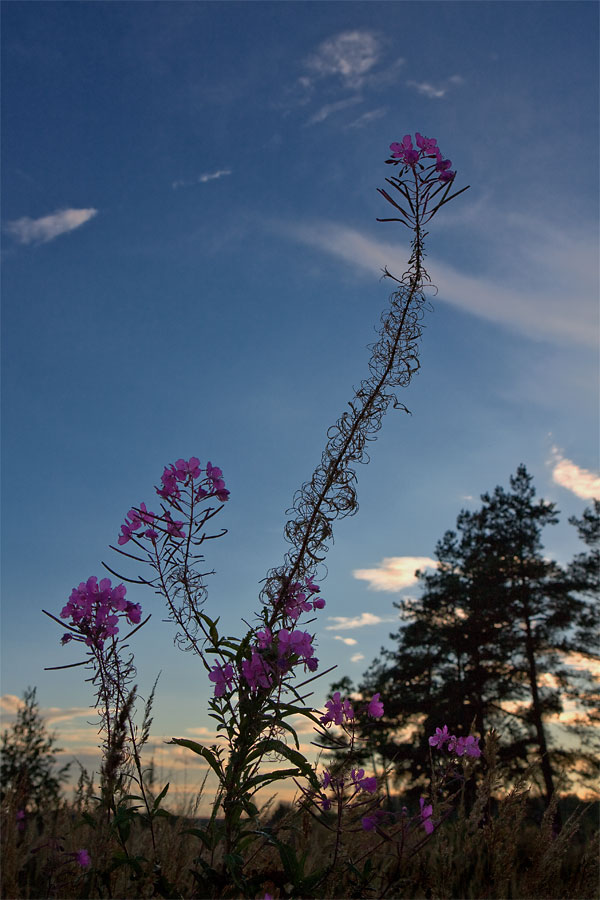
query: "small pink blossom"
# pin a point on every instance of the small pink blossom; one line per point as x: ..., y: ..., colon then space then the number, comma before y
x: 441, y: 736
x: 257, y: 672
x: 222, y: 676
x: 169, y: 481
x: 462, y: 745
x: 335, y: 712
x: 370, y: 822
x: 264, y: 638
x: 365, y: 784
x: 83, y: 858
x: 426, y: 813
x: 375, y: 707
x: 296, y: 643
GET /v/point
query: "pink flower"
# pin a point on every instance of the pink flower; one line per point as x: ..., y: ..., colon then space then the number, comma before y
x: 324, y: 802
x: 370, y: 822
x: 440, y: 737
x: 429, y: 145
x: 173, y: 528
x: 405, y: 151
x: 183, y: 468
x: 117, y: 597
x: 83, y: 858
x: 257, y: 672
x: 169, y: 480
x: 334, y: 709
x: 133, y: 611
x: 215, y: 477
x: 375, y: 707
x: 365, y: 784
x: 296, y: 643
x: 310, y: 585
x: 348, y: 710
x: 462, y: 745
x: 264, y: 638
x: 222, y: 676
x: 426, y: 813
x: 127, y: 530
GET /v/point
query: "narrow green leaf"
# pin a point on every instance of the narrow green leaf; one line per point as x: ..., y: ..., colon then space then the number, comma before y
x: 161, y: 796
x: 277, y: 775
x: 204, y: 752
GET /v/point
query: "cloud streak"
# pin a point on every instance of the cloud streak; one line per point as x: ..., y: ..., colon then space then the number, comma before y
x: 394, y: 573
x: 47, y: 228
x: 368, y: 117
x: 330, y: 108
x: 346, y: 623
x: 582, y: 482
x: 201, y: 179
x: 433, y: 91
x: 540, y: 252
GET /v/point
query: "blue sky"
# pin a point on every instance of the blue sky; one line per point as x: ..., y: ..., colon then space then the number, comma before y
x: 191, y: 266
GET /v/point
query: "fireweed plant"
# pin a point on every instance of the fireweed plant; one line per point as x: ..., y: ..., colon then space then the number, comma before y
x: 258, y: 679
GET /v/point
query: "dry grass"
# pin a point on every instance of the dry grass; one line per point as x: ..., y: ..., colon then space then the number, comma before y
x: 504, y: 854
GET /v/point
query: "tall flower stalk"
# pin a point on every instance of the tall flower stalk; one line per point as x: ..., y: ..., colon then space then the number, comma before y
x: 423, y: 184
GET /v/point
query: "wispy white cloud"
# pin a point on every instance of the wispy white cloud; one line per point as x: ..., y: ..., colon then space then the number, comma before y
x: 345, y: 623
x: 352, y: 60
x: 368, y: 117
x: 10, y: 704
x: 329, y: 108
x: 349, y: 56
x: 394, y: 573
x: 28, y: 231
x: 582, y: 482
x: 356, y: 657
x: 55, y: 714
x: 201, y: 179
x: 536, y: 253
x: 349, y: 641
x: 435, y: 91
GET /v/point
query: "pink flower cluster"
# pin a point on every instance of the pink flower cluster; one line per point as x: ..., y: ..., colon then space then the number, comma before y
x: 186, y: 472
x: 275, y: 653
x: 94, y: 611
x: 357, y: 783
x: 175, y: 474
x: 462, y: 746
x: 339, y: 710
x: 297, y: 599
x: 257, y: 671
x: 427, y: 148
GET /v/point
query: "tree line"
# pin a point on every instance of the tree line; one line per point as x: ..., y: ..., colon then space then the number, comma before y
x: 500, y: 637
